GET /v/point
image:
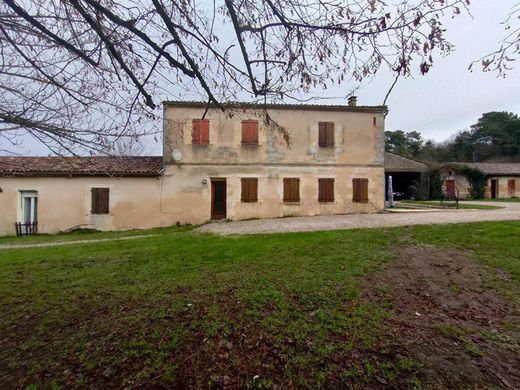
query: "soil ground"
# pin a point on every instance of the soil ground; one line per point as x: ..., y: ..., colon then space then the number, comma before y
x: 446, y: 317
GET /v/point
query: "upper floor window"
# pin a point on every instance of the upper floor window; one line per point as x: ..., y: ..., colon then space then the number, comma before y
x: 325, y: 190
x: 291, y: 190
x: 250, y: 132
x: 326, y: 134
x: 249, y: 190
x: 100, y: 200
x: 200, y: 132
x: 360, y: 190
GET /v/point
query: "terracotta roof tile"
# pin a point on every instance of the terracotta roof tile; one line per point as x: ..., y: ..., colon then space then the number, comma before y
x: 500, y: 169
x: 81, y: 166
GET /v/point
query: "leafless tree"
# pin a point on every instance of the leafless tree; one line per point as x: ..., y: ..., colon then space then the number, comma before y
x: 501, y: 60
x: 82, y: 73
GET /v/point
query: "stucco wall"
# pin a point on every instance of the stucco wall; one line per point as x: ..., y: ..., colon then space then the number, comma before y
x: 64, y: 203
x: 461, y: 183
x: 189, y: 198
x: 357, y: 140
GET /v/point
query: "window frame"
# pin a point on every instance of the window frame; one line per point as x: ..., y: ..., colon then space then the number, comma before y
x: 326, y: 132
x: 96, y: 194
x: 289, y: 190
x: 246, y: 196
x: 326, y: 190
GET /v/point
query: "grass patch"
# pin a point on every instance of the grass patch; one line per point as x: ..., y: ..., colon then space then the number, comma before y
x: 508, y: 200
x: 275, y: 310
x: 462, y: 205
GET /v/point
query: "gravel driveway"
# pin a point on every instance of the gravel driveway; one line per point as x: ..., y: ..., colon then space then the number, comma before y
x: 510, y: 211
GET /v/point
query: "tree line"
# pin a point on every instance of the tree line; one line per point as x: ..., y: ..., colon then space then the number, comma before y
x: 494, y: 138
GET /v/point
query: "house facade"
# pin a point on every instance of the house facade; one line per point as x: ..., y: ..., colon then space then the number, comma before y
x: 241, y: 163
x: 304, y: 160
x: 503, y: 180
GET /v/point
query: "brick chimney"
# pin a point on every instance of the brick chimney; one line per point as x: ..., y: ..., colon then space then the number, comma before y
x: 352, y: 101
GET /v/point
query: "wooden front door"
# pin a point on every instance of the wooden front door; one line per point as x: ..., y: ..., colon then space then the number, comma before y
x: 450, y: 187
x: 511, y: 187
x: 494, y: 188
x: 218, y: 198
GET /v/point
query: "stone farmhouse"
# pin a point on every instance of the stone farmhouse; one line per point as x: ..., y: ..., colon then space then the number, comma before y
x: 503, y: 180
x: 301, y: 160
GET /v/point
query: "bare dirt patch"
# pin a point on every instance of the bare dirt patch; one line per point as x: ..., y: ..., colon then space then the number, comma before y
x: 447, y: 317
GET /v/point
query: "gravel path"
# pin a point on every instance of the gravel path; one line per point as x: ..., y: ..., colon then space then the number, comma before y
x: 510, y: 211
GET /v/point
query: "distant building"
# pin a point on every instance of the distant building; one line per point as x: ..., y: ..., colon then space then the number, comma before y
x: 503, y: 179
x: 410, y: 177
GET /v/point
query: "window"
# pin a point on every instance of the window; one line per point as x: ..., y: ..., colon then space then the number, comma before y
x: 291, y: 190
x: 511, y: 187
x: 249, y: 190
x: 100, y: 200
x: 250, y: 132
x: 326, y: 134
x: 200, y: 132
x: 29, y: 206
x: 325, y: 190
x: 360, y: 190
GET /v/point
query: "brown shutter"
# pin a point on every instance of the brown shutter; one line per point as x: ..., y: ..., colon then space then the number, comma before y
x: 325, y: 190
x: 204, y: 131
x: 249, y: 189
x: 195, y: 132
x: 330, y: 134
x: 322, y: 137
x: 360, y: 190
x: 94, y: 208
x: 286, y: 190
x: 511, y: 186
x: 250, y: 132
x: 103, y: 200
x: 291, y: 190
x: 295, y: 190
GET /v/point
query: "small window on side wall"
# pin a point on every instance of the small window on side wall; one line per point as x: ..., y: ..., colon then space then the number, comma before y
x: 326, y: 134
x: 249, y: 190
x: 325, y: 190
x: 200, y: 132
x: 100, y: 200
x: 250, y: 132
x: 291, y: 190
x: 360, y: 190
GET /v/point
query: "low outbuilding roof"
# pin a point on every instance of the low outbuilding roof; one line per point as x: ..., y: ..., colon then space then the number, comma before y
x: 396, y: 163
x: 81, y: 166
x: 498, y: 169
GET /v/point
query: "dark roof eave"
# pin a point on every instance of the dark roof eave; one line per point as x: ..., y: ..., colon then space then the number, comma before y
x: 279, y: 106
x: 7, y: 175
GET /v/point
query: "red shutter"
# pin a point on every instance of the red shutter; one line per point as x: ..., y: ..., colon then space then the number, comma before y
x: 204, y: 131
x: 250, y: 132
x: 195, y: 132
x: 511, y: 187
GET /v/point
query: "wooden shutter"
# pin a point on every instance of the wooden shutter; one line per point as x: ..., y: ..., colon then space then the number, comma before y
x: 360, y: 190
x: 325, y: 190
x: 291, y: 190
x: 100, y: 200
x: 511, y: 186
x: 195, y: 132
x: 249, y: 189
x: 326, y: 134
x: 250, y: 132
x: 200, y: 132
x: 330, y: 134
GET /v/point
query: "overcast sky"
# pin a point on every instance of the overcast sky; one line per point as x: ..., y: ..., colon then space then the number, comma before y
x: 449, y: 98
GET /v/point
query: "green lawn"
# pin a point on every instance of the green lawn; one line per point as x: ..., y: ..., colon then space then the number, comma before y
x: 462, y: 205
x: 500, y: 200
x: 183, y: 309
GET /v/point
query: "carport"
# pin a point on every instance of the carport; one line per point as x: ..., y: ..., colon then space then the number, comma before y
x: 407, y: 174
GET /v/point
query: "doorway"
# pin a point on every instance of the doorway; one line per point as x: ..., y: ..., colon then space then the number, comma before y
x: 450, y: 188
x: 218, y: 198
x: 494, y: 188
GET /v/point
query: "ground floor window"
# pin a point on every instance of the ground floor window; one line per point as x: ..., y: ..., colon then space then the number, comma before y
x: 360, y: 190
x: 291, y: 190
x: 325, y: 190
x: 100, y: 200
x: 249, y: 189
x: 29, y: 205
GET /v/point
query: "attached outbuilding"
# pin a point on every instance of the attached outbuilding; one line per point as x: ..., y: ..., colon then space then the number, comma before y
x: 410, y: 178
